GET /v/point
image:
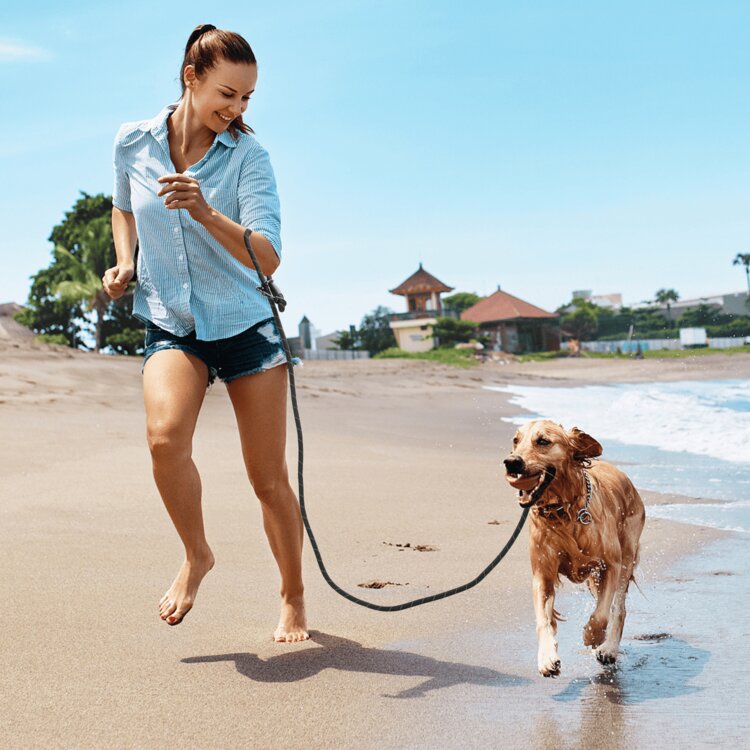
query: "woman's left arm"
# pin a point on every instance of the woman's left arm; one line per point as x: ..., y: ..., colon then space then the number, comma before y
x: 184, y: 192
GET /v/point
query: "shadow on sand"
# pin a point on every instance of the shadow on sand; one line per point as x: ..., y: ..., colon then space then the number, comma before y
x: 648, y: 670
x: 350, y: 656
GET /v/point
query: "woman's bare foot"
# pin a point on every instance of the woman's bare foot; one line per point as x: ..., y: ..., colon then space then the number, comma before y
x: 292, y: 622
x: 178, y: 600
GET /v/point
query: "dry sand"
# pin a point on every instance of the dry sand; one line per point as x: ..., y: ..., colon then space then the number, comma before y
x: 397, y: 452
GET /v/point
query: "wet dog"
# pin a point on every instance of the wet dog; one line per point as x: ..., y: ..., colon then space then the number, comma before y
x: 585, y: 524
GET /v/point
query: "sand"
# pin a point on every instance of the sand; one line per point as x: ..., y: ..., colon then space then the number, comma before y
x: 397, y: 452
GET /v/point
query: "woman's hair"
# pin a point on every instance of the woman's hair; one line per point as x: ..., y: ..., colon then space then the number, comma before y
x: 205, y: 46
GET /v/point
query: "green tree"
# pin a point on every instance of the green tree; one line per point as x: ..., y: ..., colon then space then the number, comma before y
x: 703, y: 315
x: 85, y: 269
x: 346, y: 341
x: 743, y: 260
x: 375, y: 332
x: 667, y: 296
x: 62, y: 293
x: 460, y: 301
x: 582, y: 319
x: 53, y: 319
x: 449, y: 331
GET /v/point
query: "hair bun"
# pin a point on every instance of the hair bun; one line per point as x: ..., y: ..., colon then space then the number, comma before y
x: 198, y: 32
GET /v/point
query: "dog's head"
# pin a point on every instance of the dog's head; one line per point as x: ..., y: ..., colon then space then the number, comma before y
x: 543, y: 450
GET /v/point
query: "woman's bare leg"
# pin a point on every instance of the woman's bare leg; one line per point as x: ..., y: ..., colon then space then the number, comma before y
x: 259, y: 402
x: 174, y: 384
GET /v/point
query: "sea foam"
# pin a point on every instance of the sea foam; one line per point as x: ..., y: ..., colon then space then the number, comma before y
x: 710, y: 418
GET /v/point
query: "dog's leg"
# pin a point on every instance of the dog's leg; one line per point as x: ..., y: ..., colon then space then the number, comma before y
x: 546, y: 626
x: 607, y: 653
x: 595, y: 630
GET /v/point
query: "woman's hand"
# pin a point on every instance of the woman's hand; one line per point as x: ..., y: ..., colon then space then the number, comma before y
x: 184, y: 192
x: 116, y: 280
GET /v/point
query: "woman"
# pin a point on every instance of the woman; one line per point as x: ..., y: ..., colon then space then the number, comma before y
x: 188, y: 183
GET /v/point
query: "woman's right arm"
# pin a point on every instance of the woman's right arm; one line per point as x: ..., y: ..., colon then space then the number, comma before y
x: 117, y: 278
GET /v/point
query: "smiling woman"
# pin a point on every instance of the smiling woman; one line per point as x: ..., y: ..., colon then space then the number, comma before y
x: 189, y: 184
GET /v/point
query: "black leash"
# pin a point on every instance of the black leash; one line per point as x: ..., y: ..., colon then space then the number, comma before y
x: 268, y: 289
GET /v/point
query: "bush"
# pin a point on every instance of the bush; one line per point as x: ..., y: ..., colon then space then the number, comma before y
x: 454, y: 357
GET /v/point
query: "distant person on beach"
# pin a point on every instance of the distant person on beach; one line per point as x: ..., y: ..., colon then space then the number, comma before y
x: 188, y: 183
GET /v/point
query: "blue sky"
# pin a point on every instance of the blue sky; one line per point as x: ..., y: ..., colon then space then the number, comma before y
x: 545, y: 146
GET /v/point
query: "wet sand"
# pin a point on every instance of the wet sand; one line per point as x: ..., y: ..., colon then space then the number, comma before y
x: 396, y: 453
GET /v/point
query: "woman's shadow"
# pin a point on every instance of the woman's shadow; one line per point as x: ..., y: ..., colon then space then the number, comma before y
x: 350, y: 656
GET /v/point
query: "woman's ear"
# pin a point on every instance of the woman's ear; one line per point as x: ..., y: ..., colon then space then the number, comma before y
x: 584, y: 446
x: 188, y: 75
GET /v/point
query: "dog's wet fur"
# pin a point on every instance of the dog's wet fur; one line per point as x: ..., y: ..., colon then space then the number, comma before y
x: 547, y: 466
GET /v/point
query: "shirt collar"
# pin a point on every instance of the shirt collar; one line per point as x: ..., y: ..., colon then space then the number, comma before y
x: 158, y: 128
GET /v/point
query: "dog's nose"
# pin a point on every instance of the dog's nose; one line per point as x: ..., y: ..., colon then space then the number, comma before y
x: 514, y: 464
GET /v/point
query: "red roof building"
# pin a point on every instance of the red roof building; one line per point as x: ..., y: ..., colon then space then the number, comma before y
x: 514, y: 325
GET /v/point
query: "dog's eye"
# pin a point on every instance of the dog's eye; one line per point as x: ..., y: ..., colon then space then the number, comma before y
x: 543, y: 441
x: 515, y: 441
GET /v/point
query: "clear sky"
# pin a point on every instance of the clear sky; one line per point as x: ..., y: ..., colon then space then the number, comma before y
x: 543, y: 146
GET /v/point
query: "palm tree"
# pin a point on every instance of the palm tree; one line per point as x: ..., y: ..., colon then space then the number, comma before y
x: 666, y: 296
x: 743, y: 260
x: 85, y: 271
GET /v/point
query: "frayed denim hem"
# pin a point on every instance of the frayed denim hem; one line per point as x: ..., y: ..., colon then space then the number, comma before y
x: 164, y: 345
x: 263, y: 368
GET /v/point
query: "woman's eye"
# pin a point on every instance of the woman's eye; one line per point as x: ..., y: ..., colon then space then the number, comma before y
x: 228, y: 96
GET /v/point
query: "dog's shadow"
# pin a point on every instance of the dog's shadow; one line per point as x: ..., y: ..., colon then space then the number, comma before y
x: 647, y: 670
x: 350, y: 656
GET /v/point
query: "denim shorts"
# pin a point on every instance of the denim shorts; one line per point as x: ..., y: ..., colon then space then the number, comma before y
x: 256, y: 349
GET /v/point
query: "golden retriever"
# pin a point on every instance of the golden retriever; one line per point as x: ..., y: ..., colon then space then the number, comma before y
x: 585, y: 523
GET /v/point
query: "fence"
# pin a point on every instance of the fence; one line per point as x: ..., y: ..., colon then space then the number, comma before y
x: 334, y: 354
x: 630, y: 347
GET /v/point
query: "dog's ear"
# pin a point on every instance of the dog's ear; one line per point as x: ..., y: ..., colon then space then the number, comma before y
x: 584, y: 446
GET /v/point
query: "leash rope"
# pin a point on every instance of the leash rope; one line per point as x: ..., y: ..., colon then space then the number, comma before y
x: 269, y: 290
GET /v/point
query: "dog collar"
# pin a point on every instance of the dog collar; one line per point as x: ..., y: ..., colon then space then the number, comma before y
x: 583, y: 515
x: 549, y: 511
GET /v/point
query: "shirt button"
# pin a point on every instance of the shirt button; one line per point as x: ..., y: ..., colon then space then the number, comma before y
x: 179, y: 257
x: 176, y: 230
x: 184, y: 286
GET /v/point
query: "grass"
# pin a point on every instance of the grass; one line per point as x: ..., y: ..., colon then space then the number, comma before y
x: 454, y: 357
x: 650, y: 354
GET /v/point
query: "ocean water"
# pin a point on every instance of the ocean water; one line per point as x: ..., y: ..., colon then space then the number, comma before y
x: 690, y: 438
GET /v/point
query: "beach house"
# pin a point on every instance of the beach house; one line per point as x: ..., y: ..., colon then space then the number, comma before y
x: 413, y: 329
x: 513, y: 325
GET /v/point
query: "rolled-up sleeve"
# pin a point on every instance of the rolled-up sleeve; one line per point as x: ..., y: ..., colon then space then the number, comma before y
x: 258, y: 199
x: 121, y: 189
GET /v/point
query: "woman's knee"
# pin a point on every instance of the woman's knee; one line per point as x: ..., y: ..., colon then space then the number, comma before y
x: 168, y: 440
x: 271, y: 489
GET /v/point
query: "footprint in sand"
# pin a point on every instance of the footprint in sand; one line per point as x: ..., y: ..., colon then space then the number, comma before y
x: 379, y: 584
x: 415, y: 547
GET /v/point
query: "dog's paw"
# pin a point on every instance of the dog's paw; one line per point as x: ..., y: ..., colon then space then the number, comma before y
x: 594, y: 633
x: 550, y: 669
x: 606, y: 656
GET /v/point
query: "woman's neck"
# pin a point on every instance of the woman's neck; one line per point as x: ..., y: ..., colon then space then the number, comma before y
x: 186, y: 131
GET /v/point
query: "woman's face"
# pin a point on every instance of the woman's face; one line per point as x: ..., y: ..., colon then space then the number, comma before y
x: 221, y: 93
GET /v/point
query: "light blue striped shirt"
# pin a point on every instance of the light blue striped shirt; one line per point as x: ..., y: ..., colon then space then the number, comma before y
x: 186, y: 280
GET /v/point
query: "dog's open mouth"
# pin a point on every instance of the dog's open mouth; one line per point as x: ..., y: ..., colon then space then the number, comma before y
x: 531, y: 487
x: 523, y: 481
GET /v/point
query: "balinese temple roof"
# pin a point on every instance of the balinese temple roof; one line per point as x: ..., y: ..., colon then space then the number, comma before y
x: 503, y: 306
x: 421, y: 282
